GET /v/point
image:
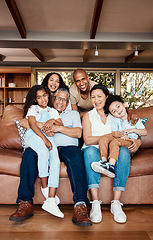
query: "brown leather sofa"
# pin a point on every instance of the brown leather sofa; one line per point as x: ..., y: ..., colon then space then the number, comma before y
x: 139, y: 187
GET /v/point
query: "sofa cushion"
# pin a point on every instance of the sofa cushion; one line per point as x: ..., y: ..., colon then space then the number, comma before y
x: 142, y: 163
x: 10, y: 160
x: 147, y: 112
x: 9, y: 136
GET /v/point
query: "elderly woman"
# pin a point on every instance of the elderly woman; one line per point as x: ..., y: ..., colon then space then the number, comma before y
x: 96, y: 124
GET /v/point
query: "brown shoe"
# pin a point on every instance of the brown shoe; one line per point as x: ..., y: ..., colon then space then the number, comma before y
x: 23, y: 212
x: 80, y: 216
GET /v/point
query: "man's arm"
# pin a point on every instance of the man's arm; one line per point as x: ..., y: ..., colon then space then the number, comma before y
x: 74, y: 132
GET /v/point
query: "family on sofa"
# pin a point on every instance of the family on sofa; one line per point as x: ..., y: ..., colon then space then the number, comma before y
x: 57, y: 123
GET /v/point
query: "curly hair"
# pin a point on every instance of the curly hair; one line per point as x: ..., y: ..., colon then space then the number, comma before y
x: 61, y: 82
x: 31, y: 97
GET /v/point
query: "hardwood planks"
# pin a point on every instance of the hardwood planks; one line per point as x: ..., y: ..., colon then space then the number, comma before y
x: 45, y: 226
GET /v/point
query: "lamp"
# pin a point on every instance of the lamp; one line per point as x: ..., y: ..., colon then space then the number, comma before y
x: 96, y: 51
x: 136, y: 53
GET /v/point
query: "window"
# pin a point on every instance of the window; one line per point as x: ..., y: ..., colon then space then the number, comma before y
x: 137, y: 88
x: 106, y: 78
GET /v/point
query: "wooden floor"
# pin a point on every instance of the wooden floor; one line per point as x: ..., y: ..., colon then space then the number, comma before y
x: 44, y: 226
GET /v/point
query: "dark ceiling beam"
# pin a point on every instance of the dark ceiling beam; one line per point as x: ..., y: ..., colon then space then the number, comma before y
x: 72, y: 65
x: 132, y: 56
x: 26, y: 43
x: 96, y: 17
x: 17, y: 17
x: 37, y: 54
x: 2, y: 57
x: 86, y: 55
x: 20, y: 25
x: 94, y: 26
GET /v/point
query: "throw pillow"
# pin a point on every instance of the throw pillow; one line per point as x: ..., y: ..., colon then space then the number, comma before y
x: 9, y: 135
x: 22, y: 132
x: 144, y: 120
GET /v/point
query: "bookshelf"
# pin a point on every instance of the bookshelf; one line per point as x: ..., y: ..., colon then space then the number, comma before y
x: 14, y: 86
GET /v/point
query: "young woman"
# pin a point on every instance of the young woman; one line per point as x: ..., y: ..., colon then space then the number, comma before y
x: 37, y: 109
x: 53, y: 81
x: 96, y: 124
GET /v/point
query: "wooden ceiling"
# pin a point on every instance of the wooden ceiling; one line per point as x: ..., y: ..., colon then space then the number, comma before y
x: 70, y: 30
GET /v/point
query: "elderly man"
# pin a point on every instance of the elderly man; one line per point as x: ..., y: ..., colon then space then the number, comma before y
x: 66, y: 138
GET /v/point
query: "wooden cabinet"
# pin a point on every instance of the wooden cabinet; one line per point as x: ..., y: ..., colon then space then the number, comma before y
x: 14, y: 86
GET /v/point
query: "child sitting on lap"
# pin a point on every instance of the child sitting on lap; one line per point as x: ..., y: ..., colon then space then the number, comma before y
x: 123, y: 134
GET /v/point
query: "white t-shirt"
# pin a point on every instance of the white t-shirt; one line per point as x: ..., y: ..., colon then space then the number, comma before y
x: 34, y: 110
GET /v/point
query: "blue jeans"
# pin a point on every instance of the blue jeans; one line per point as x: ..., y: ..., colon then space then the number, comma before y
x: 122, y: 168
x: 72, y: 156
x: 46, y: 158
x: 28, y: 175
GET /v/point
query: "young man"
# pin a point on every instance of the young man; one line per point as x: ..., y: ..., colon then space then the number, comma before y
x: 80, y: 92
x: 66, y: 138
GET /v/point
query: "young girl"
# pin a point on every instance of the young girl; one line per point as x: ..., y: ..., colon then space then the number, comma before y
x: 122, y: 134
x: 37, y: 108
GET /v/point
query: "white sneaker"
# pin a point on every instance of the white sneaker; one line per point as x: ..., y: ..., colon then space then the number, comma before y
x: 51, y: 207
x: 95, y: 213
x: 45, y: 194
x: 116, y: 210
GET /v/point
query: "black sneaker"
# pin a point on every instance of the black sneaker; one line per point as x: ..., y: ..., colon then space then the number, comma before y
x: 104, y: 168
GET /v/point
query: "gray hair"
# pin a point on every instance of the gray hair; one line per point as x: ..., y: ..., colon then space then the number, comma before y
x: 62, y: 90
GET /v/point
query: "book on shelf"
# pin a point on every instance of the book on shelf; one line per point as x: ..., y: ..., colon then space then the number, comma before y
x: 2, y: 83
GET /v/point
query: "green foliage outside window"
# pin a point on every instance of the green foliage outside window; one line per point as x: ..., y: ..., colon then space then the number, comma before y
x: 137, y: 89
x: 104, y: 78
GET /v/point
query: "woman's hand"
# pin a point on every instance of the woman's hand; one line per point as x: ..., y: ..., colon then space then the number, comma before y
x: 132, y: 118
x: 135, y: 145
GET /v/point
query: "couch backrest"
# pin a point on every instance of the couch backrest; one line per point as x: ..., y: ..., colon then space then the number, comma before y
x: 9, y: 135
x: 147, y: 112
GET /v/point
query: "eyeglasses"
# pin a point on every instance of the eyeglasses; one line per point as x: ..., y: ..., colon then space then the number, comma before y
x: 61, y: 99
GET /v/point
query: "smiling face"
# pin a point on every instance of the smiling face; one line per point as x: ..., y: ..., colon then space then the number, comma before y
x: 42, y: 98
x: 98, y: 99
x: 60, y: 101
x: 53, y: 83
x: 118, y: 109
x: 81, y: 80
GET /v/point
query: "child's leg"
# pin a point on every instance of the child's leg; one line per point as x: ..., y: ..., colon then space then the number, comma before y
x: 52, y: 192
x: 37, y: 144
x: 54, y: 169
x: 105, y: 167
x: 103, y: 146
x: 114, y: 148
x: 44, y: 182
x: 50, y: 205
